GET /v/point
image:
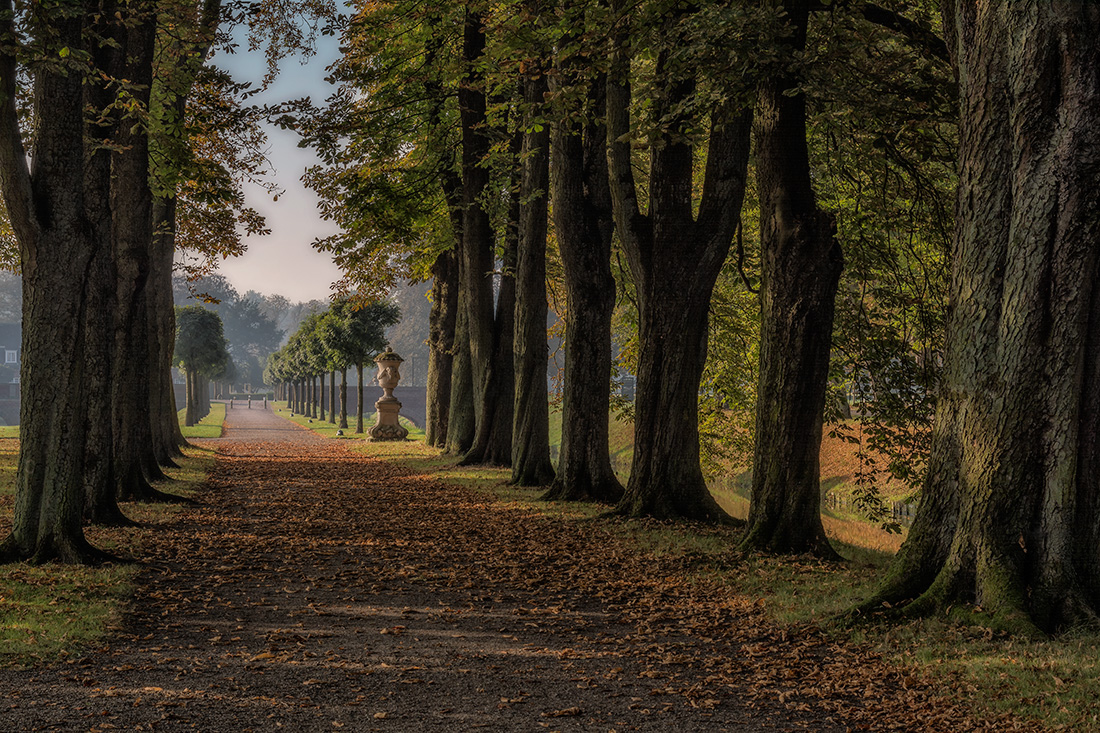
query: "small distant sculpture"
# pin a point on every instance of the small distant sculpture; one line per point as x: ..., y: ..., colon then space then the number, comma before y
x: 388, y: 427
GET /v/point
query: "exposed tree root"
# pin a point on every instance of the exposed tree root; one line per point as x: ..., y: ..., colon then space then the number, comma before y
x: 71, y: 551
x: 110, y: 517
x: 759, y: 540
x: 609, y: 491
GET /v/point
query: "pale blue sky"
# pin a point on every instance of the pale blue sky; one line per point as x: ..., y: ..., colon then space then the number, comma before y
x: 283, y: 262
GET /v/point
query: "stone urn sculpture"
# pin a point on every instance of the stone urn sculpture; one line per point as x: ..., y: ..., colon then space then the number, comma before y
x: 388, y: 427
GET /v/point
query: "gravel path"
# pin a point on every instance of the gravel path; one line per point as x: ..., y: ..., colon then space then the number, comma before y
x: 318, y: 589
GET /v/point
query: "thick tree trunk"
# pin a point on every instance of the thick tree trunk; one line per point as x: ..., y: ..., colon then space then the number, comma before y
x: 100, y: 498
x: 675, y: 258
x: 801, y: 265
x: 461, y: 415
x: 332, y: 397
x: 441, y: 339
x: 531, y: 427
x: 131, y: 208
x: 492, y: 435
x: 164, y: 418
x: 359, y: 399
x: 583, y: 224
x: 57, y: 246
x: 344, y: 398
x: 1009, y: 512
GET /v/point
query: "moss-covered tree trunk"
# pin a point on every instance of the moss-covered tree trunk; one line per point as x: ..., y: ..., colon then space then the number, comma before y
x: 48, y: 214
x: 132, y: 212
x: 100, y: 497
x: 461, y: 413
x: 583, y: 224
x: 1010, y: 511
x: 488, y: 323
x: 164, y: 415
x: 441, y: 340
x: 531, y: 424
x: 675, y: 256
x: 800, y: 266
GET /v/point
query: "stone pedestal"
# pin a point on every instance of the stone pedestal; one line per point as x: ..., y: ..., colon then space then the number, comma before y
x: 388, y: 427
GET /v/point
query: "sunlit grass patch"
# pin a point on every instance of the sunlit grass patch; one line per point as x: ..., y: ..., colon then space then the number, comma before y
x: 54, y: 610
x: 59, y: 610
x: 209, y: 427
x: 1055, y: 681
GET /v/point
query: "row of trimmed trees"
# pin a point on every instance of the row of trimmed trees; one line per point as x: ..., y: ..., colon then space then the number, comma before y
x: 636, y: 120
x: 348, y: 334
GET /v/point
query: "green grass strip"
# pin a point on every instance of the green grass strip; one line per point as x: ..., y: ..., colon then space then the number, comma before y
x: 209, y: 427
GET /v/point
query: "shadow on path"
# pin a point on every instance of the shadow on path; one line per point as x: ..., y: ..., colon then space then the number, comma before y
x: 320, y: 589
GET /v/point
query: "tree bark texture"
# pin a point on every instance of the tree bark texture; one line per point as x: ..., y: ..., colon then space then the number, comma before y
x: 344, y: 398
x: 332, y: 397
x: 800, y: 269
x: 531, y: 422
x: 100, y: 496
x: 441, y: 340
x: 131, y: 210
x: 47, y: 208
x: 675, y: 257
x: 1010, y: 512
x: 167, y: 437
x: 583, y: 223
x: 488, y: 325
x: 359, y: 400
x: 461, y: 414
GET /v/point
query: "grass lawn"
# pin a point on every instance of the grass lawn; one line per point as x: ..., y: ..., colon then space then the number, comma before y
x: 51, y: 611
x: 209, y: 427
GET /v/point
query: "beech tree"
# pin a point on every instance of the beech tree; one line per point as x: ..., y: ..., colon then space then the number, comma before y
x: 801, y: 265
x: 57, y: 212
x: 531, y: 430
x: 388, y: 141
x: 675, y: 249
x: 489, y: 314
x: 583, y: 222
x: 1010, y: 509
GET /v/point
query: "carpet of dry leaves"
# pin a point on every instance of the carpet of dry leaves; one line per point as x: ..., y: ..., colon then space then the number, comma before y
x: 316, y: 588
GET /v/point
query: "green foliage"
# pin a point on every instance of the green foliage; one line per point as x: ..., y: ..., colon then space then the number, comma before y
x: 386, y: 139
x: 200, y: 345
x: 883, y: 140
x: 251, y: 334
x: 350, y: 332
